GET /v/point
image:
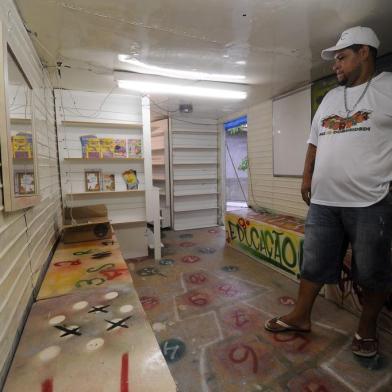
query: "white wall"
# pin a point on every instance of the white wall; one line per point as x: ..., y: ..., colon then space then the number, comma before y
x: 27, y: 237
x: 282, y: 194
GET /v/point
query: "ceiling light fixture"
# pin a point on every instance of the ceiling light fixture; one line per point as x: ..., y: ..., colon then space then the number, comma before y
x: 177, y: 73
x: 191, y: 91
x: 241, y: 62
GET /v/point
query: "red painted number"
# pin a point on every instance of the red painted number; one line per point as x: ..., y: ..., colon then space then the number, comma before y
x: 240, y: 318
x: 242, y: 353
x: 197, y: 278
x: 227, y: 290
x: 290, y: 338
x: 199, y: 299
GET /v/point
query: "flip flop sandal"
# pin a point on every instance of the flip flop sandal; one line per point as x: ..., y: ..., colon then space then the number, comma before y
x: 277, y: 325
x: 364, y: 347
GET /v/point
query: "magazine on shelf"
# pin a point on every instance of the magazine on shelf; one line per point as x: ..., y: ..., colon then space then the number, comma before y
x: 22, y: 145
x: 107, y: 147
x: 134, y: 148
x: 130, y: 178
x: 91, y: 148
x: 120, y: 149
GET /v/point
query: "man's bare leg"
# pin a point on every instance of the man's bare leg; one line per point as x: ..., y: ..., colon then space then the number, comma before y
x: 300, y: 316
x: 373, y: 301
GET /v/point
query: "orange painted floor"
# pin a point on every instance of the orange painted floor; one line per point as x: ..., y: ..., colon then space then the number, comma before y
x: 207, y: 305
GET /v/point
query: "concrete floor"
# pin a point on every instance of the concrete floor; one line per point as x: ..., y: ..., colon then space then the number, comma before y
x: 207, y: 304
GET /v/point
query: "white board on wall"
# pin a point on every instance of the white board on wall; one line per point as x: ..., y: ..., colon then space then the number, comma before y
x: 291, y: 120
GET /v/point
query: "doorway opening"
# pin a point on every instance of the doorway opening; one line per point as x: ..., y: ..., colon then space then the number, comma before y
x: 236, y: 137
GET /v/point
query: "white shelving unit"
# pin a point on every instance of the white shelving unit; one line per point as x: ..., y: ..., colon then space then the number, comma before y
x: 194, y: 172
x: 128, y: 210
x: 161, y: 167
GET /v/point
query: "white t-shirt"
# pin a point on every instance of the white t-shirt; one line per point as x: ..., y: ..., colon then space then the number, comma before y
x: 353, y: 165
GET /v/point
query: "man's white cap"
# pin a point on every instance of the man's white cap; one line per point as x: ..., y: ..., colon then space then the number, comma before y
x: 355, y: 35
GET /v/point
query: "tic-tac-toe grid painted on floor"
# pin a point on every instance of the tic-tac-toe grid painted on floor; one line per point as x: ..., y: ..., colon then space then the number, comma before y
x: 207, y: 304
x: 92, y: 340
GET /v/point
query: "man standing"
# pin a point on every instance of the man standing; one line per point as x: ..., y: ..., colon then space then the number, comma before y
x: 346, y: 182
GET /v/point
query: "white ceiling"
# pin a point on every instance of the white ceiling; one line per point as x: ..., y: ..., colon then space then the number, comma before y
x: 280, y: 40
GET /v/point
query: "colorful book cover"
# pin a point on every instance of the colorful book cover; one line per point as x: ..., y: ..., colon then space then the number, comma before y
x: 134, y: 148
x: 109, y: 182
x: 93, y: 181
x: 120, y: 150
x: 84, y: 140
x: 130, y: 179
x: 93, y: 149
x: 107, y: 147
x: 22, y: 146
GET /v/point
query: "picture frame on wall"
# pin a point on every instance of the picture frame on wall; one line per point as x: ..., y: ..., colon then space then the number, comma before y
x: 24, y: 183
x: 93, y: 180
x: 109, y: 182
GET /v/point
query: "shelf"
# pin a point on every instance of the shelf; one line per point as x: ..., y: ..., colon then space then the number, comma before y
x: 195, y: 209
x: 158, y: 149
x: 21, y: 121
x: 102, y: 124
x: 105, y: 193
x: 194, y: 148
x: 159, y: 179
x: 195, y: 194
x: 117, y: 160
x: 158, y: 164
x: 119, y: 222
x: 196, y: 163
x: 23, y: 161
x: 213, y: 131
x: 196, y: 178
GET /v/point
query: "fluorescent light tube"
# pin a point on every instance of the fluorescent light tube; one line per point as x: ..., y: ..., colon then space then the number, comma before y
x: 163, y: 88
x: 177, y: 73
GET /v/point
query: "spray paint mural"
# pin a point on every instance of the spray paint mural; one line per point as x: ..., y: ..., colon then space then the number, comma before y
x: 277, y: 246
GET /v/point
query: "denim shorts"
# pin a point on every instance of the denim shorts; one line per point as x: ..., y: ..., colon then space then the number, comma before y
x: 329, y: 230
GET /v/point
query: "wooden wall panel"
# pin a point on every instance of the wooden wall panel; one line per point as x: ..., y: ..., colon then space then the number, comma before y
x: 27, y: 237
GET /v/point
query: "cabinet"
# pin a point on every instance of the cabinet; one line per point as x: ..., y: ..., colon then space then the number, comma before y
x: 194, y: 174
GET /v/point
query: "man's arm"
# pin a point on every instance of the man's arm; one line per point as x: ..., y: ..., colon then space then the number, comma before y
x: 308, y: 173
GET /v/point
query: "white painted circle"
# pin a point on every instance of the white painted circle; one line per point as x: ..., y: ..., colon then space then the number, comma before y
x: 49, y: 353
x: 126, y: 308
x: 80, y: 305
x: 57, y: 320
x: 94, y: 344
x: 111, y: 295
x: 158, y: 327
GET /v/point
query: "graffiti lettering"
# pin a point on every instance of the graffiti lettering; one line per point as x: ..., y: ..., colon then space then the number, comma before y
x: 277, y: 247
x: 67, y: 262
x: 89, y: 282
x: 101, y: 267
x: 111, y: 274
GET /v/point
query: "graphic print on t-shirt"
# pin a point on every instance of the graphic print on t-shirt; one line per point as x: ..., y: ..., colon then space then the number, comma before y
x: 339, y: 124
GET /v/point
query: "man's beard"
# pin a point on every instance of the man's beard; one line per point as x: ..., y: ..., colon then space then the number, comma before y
x: 351, y: 78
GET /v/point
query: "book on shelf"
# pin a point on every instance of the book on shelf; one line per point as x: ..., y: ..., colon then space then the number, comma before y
x: 22, y: 145
x: 120, y: 149
x: 92, y: 180
x: 130, y: 178
x: 134, y: 148
x: 91, y: 147
x: 109, y: 182
x: 107, y: 147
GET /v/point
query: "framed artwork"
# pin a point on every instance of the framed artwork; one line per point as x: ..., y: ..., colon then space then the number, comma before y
x: 109, y: 182
x: 93, y: 181
x: 24, y: 184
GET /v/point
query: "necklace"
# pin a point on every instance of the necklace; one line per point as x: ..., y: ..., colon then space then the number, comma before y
x: 348, y: 111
